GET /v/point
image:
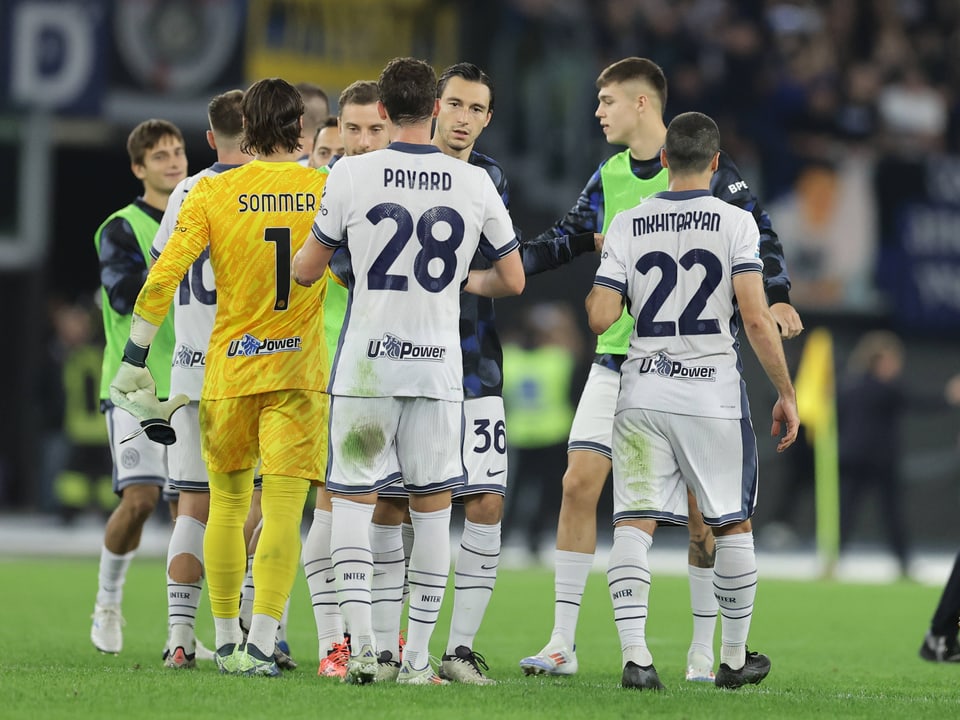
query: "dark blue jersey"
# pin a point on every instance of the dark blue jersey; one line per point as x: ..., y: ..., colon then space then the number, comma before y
x: 586, y: 216
x: 479, y: 343
x: 123, y: 269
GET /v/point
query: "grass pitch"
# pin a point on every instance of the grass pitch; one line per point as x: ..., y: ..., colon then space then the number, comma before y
x: 838, y: 651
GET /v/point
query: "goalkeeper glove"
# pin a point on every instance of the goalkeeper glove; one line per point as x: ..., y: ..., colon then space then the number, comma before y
x: 134, y: 390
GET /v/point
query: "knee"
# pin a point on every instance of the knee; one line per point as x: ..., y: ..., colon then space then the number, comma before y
x: 185, y: 568
x: 140, y: 505
x: 484, y: 509
x: 580, y: 487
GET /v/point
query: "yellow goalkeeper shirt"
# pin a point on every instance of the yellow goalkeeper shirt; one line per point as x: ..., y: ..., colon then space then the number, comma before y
x: 268, y: 333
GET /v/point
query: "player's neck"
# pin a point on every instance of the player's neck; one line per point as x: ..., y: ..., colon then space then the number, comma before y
x: 695, y: 181
x: 279, y: 157
x: 646, y: 142
x: 415, y: 134
x: 463, y: 154
x: 155, y: 198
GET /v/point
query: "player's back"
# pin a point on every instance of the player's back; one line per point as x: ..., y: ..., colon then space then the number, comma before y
x: 412, y: 219
x: 681, y: 252
x: 268, y: 333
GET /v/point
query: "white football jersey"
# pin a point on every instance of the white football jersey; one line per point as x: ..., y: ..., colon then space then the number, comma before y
x: 674, y: 257
x: 412, y: 219
x: 195, y: 304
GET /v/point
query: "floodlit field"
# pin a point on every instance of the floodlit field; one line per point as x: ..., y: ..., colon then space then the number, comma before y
x: 838, y: 651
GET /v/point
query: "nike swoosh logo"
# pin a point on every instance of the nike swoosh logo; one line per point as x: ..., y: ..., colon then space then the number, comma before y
x: 330, y: 580
x: 488, y: 567
x: 494, y: 474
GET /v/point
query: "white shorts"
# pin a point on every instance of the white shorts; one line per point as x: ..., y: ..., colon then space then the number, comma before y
x: 187, y: 469
x: 592, y: 427
x: 140, y: 461
x: 658, y: 455
x: 371, y: 437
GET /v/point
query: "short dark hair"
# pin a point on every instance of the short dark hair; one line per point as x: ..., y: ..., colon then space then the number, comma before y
x: 311, y: 118
x: 636, y: 68
x: 330, y: 122
x: 225, y: 114
x: 693, y: 140
x: 408, y: 90
x: 146, y: 135
x: 468, y: 71
x: 272, y: 109
x: 361, y: 92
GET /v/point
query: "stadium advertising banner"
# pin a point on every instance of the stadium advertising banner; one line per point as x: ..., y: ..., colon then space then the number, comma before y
x: 333, y: 43
x: 920, y: 269
x: 52, y: 54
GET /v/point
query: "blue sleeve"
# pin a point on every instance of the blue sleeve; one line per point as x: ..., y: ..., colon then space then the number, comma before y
x: 571, y: 236
x: 123, y: 269
x: 728, y: 185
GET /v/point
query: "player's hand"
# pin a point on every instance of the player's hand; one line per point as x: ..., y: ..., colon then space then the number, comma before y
x: 598, y: 241
x: 785, y: 420
x: 788, y: 320
x: 134, y: 390
x: 130, y: 378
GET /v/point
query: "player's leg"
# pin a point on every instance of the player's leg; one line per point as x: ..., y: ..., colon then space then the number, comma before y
x: 703, y: 602
x: 229, y: 438
x: 185, y: 551
x: 251, y: 535
x: 362, y: 458
x: 485, y: 460
x: 389, y: 577
x: 646, y: 475
x: 940, y: 643
x: 140, y: 471
x: 431, y: 461
x: 718, y: 457
x: 318, y: 568
x: 588, y: 466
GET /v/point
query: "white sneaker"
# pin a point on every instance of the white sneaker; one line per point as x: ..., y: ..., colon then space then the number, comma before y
x: 409, y: 676
x: 362, y: 667
x: 554, y: 659
x: 106, y: 633
x: 699, y: 667
x: 465, y: 666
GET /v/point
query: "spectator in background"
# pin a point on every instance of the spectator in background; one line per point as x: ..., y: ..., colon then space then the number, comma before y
x: 539, y: 367
x: 871, y: 402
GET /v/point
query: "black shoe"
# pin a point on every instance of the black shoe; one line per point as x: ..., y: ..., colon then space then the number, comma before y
x: 641, y: 678
x: 755, y: 669
x: 281, y: 656
x: 940, y: 648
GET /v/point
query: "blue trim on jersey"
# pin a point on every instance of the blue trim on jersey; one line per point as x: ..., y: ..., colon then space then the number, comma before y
x: 395, y: 490
x: 591, y: 446
x: 447, y: 484
x: 611, y: 283
x: 414, y: 148
x: 747, y: 267
x: 493, y: 254
x: 219, y: 167
x: 610, y: 361
x: 658, y: 515
x: 748, y: 482
x: 683, y: 194
x: 325, y: 239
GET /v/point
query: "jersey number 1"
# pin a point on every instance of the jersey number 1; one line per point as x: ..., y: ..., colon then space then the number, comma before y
x: 280, y: 236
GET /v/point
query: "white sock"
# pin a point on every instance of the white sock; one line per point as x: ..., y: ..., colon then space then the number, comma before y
x: 703, y: 604
x: 406, y: 530
x: 184, y: 598
x: 353, y: 568
x: 628, y: 575
x: 429, y: 570
x: 282, y: 625
x: 735, y: 583
x: 570, y: 580
x: 113, y: 573
x: 247, y: 595
x: 263, y: 633
x: 227, y: 631
x: 388, y: 580
x: 320, y: 580
x: 474, y: 577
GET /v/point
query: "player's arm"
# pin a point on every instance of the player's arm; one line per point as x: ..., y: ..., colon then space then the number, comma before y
x: 604, y: 307
x: 328, y: 231
x: 505, y: 278
x: 606, y: 298
x: 123, y: 268
x: 730, y: 186
x: 571, y: 236
x: 312, y: 259
x: 761, y: 329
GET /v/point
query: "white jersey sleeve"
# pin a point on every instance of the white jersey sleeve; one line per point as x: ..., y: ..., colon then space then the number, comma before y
x: 612, y: 272
x: 411, y: 218
x: 681, y: 251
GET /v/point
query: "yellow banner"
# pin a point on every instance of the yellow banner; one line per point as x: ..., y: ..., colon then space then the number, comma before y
x: 334, y: 42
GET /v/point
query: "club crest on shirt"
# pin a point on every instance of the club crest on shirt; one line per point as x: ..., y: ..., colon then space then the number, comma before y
x: 248, y: 346
x: 664, y: 366
x: 395, y: 348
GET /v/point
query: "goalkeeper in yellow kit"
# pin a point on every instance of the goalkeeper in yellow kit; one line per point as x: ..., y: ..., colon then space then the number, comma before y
x: 266, y: 365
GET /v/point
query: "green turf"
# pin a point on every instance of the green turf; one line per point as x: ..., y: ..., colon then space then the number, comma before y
x: 838, y: 651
